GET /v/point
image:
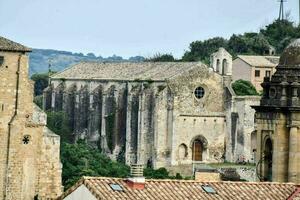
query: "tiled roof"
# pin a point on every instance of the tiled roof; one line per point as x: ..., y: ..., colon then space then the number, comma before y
x: 184, y: 189
x: 260, y: 61
x: 8, y: 45
x: 156, y: 71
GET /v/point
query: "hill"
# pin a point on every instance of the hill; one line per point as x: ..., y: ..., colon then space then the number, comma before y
x: 40, y: 59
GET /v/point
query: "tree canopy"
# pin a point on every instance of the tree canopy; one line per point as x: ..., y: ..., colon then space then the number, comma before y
x: 244, y: 88
x: 277, y: 34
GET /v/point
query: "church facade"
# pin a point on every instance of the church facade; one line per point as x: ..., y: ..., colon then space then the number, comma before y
x: 153, y: 113
x: 30, y: 165
x: 278, y: 121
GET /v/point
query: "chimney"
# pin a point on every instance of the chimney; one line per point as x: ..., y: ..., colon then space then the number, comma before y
x: 136, y: 179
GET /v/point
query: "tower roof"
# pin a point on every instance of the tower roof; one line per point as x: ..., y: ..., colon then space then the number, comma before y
x: 8, y: 45
x: 291, y: 55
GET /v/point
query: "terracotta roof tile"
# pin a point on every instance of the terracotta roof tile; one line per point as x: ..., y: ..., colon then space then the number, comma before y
x: 260, y: 61
x: 155, y: 71
x: 8, y: 45
x: 183, y: 189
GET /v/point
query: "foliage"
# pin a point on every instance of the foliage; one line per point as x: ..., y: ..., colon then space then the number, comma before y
x: 277, y: 34
x: 243, y: 88
x: 40, y: 83
x: 38, y: 100
x: 161, y: 173
x: 202, y: 50
x: 161, y: 58
x: 58, y: 123
x: 79, y: 160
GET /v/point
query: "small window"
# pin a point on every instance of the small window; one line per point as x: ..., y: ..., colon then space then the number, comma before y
x: 257, y: 73
x: 208, y: 189
x: 116, y: 187
x: 268, y: 73
x: 199, y: 92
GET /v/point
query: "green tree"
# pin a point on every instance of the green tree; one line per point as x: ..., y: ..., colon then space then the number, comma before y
x: 58, y: 123
x: 161, y: 58
x: 201, y: 51
x: 278, y: 31
x: 79, y: 160
x: 243, y: 88
x: 40, y: 83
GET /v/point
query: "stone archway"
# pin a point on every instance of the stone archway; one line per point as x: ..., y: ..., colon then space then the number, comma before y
x: 267, y: 160
x: 224, y: 67
x: 199, y: 147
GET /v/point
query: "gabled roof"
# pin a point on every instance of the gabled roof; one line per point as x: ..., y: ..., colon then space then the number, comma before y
x: 8, y: 45
x: 129, y: 71
x: 260, y: 61
x: 183, y: 189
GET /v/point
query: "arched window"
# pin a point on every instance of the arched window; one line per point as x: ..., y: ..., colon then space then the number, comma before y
x: 182, y: 151
x: 267, y: 160
x: 224, y: 67
x: 218, y: 66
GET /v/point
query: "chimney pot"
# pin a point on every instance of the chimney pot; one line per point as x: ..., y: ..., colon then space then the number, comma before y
x: 136, y: 180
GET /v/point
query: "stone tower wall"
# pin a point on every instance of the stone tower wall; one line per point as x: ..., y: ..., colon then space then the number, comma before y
x: 21, y: 135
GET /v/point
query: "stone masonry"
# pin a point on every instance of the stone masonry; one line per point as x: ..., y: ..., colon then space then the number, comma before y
x: 29, y: 160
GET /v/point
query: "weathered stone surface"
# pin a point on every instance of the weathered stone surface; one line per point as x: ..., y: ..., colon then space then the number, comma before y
x: 278, y: 121
x: 29, y: 160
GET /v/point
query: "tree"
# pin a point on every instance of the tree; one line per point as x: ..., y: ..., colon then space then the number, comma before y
x: 40, y: 83
x: 58, y: 123
x: 79, y: 160
x: 237, y: 44
x: 243, y: 88
x: 201, y: 51
x: 278, y: 31
x: 161, y: 58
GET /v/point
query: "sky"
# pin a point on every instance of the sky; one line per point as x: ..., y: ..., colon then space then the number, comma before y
x: 132, y: 27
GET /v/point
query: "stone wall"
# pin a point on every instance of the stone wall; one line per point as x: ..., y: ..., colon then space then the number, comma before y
x: 22, y: 137
x: 241, y: 142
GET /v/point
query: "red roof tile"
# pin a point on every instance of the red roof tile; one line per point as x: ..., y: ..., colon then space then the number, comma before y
x: 183, y: 189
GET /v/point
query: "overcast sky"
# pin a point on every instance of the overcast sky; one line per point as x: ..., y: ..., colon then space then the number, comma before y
x: 131, y: 27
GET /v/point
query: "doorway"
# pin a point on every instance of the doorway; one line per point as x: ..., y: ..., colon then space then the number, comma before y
x: 197, y: 150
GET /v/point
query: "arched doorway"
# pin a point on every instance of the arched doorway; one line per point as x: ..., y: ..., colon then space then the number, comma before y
x: 197, y: 150
x: 224, y: 67
x: 267, y: 160
x: 253, y: 145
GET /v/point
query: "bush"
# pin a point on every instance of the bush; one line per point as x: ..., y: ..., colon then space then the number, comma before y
x: 80, y: 159
x: 243, y: 88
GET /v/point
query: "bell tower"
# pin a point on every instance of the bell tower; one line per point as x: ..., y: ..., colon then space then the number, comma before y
x: 221, y: 62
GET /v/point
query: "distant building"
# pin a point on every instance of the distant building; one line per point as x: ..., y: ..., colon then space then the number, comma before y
x: 101, y: 188
x: 161, y: 114
x: 278, y: 121
x: 254, y: 68
x: 30, y: 165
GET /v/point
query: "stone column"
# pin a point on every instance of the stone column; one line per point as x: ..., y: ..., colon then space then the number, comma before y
x: 103, y: 124
x: 128, y: 150
x: 53, y: 99
x: 293, y: 154
x: 141, y: 146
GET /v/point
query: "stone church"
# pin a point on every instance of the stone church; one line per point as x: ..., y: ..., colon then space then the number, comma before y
x: 278, y: 121
x: 30, y: 166
x: 162, y: 114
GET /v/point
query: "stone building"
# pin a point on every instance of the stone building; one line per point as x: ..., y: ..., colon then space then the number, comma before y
x: 254, y: 68
x: 161, y: 114
x: 278, y: 121
x: 29, y: 160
